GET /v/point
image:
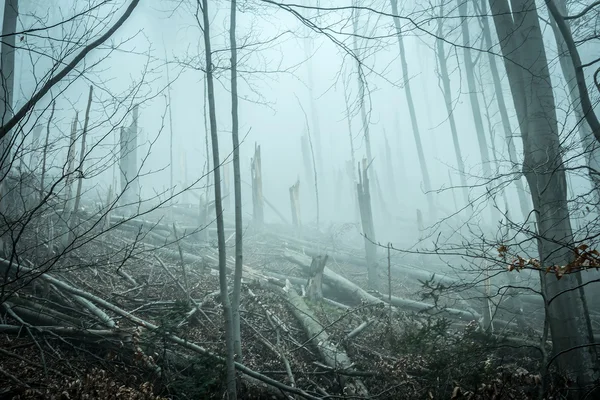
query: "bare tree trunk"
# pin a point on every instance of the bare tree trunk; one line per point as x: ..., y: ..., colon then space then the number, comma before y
x: 35, y: 146
x: 366, y: 216
x: 470, y: 74
x: 68, y: 204
x: 350, y: 166
x: 7, y: 75
x: 590, y: 146
x: 128, y: 163
x: 314, y: 113
x: 172, y: 188
x: 390, y: 171
x: 446, y: 91
x: 237, y: 187
x: 499, y: 95
x: 314, y: 287
x: 523, y: 50
x: 295, y: 204
x: 257, y: 193
x: 361, y: 92
x: 80, y: 167
x: 412, y: 112
x: 568, y: 42
x: 227, y: 311
x: 45, y: 152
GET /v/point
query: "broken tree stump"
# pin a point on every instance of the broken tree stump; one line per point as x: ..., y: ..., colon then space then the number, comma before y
x: 257, y: 194
x: 314, y: 287
x: 366, y: 217
x: 295, y: 203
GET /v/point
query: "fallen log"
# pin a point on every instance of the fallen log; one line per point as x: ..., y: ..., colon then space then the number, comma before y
x: 332, y: 354
x: 351, y: 290
x: 4, y: 264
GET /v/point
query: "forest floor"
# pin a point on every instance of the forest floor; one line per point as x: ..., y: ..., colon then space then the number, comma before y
x: 155, y: 330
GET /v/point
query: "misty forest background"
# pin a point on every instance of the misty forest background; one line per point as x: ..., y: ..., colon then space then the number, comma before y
x: 312, y: 199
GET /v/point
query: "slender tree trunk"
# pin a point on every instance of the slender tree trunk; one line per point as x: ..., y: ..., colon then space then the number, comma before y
x: 584, y: 97
x: 523, y: 50
x: 7, y: 75
x: 45, y: 152
x: 68, y: 204
x: 361, y: 94
x: 590, y: 146
x: 366, y: 216
x: 227, y: 311
x: 470, y: 74
x: 446, y: 91
x: 350, y: 168
x: 172, y: 189
x: 314, y: 112
x: 412, y: 112
x: 390, y: 171
x: 237, y: 187
x: 80, y: 168
x: 499, y: 95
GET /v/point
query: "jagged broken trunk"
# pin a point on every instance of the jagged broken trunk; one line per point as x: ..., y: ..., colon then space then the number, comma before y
x: 128, y: 165
x: 295, y: 203
x: 314, y: 287
x: 257, y: 193
x: 366, y: 217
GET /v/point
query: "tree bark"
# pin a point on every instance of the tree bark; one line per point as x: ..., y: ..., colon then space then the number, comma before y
x: 257, y: 194
x: 413, y: 114
x: 446, y: 91
x: 366, y: 216
x: 7, y: 75
x: 523, y: 50
x: 227, y: 311
x: 590, y: 146
x: 237, y: 187
x: 499, y: 95
x: 81, y: 160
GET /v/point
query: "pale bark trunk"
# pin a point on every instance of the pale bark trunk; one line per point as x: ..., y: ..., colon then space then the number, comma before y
x: 413, y: 114
x: 361, y: 95
x: 227, y: 311
x: 81, y: 160
x: 470, y: 75
x: 447, y: 92
x: 366, y: 216
x: 523, y: 50
x: 68, y: 204
x: 257, y: 194
x: 237, y: 187
x: 128, y: 164
x: 295, y: 204
x: 499, y: 95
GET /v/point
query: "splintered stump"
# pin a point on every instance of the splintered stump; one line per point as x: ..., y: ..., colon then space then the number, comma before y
x: 314, y: 287
x: 366, y: 217
x: 330, y: 353
x: 257, y: 194
x: 295, y: 203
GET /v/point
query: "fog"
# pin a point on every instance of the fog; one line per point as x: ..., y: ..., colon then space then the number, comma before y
x: 321, y: 87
